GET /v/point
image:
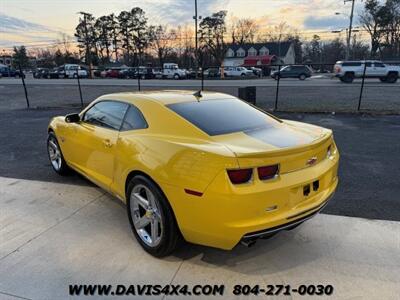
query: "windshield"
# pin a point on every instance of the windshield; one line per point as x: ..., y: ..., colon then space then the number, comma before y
x: 216, y: 117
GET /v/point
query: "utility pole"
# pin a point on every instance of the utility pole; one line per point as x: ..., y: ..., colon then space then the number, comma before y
x: 350, y: 28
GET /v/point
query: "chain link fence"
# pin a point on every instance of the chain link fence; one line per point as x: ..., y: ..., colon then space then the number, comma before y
x: 287, y: 88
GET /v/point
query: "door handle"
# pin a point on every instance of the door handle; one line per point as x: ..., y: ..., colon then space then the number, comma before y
x: 107, y: 143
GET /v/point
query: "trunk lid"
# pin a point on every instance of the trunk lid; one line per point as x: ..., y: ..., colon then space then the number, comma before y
x: 292, y: 145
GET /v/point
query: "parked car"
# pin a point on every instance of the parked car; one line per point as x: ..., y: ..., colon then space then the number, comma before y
x: 347, y: 71
x: 237, y: 71
x: 256, y: 71
x: 193, y: 73
x: 174, y: 159
x: 72, y: 71
x: 134, y: 72
x: 111, y: 73
x: 158, y: 73
x: 97, y: 71
x: 145, y: 73
x: 129, y: 72
x: 40, y: 73
x: 171, y: 70
x: 212, y: 73
x: 301, y: 72
x: 7, y: 71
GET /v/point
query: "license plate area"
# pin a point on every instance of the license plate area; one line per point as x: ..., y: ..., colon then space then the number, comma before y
x: 311, y: 187
x: 306, y: 191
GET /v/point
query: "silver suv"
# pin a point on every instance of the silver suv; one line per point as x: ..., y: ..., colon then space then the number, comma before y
x: 346, y: 71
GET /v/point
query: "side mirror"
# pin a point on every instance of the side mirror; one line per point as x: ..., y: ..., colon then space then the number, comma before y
x: 72, y: 118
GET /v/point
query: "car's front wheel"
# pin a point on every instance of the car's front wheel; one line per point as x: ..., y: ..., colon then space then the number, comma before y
x: 55, y: 155
x: 151, y: 217
x: 302, y: 77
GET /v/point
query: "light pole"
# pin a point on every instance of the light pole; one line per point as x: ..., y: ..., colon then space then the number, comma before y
x: 196, y: 18
x: 195, y: 25
x: 350, y: 26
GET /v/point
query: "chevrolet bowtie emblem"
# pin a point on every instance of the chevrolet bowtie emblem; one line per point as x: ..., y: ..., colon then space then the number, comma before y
x: 312, y: 161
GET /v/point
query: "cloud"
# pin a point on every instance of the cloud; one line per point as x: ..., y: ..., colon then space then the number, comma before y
x: 15, y: 31
x: 8, y: 23
x: 174, y: 12
x: 331, y: 23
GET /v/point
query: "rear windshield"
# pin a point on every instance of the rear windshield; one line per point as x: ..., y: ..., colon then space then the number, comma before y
x: 216, y: 117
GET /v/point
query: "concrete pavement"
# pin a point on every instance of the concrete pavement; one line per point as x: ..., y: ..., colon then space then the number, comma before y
x: 55, y: 234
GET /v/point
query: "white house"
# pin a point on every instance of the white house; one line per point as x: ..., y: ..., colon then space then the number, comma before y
x: 260, y: 54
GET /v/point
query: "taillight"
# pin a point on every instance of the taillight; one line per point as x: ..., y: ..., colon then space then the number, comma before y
x: 330, y: 153
x: 240, y: 175
x: 268, y: 172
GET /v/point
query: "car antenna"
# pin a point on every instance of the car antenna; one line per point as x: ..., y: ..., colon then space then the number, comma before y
x: 198, y: 95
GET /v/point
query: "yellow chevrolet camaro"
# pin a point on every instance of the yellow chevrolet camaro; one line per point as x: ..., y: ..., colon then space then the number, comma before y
x: 206, y: 168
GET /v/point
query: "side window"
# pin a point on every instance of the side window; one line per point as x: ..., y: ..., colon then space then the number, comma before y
x: 108, y: 114
x: 379, y: 65
x: 133, y: 120
x: 368, y: 64
x: 351, y: 64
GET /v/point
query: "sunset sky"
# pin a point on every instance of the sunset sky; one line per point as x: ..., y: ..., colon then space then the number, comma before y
x: 33, y: 22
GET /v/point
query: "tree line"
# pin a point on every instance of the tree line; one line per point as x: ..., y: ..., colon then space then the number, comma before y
x: 128, y: 37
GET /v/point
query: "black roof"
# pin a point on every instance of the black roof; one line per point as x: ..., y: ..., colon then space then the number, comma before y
x: 275, y: 48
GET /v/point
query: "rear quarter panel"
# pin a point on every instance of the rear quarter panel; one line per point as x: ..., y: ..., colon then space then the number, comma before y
x: 168, y: 160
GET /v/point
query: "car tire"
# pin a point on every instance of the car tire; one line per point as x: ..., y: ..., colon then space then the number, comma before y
x: 392, y: 78
x: 302, y: 77
x: 158, y: 214
x: 348, y: 77
x: 55, y: 155
x: 176, y: 77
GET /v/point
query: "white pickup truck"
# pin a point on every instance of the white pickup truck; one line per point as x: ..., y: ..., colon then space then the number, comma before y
x: 237, y: 71
x: 171, y: 70
x: 347, y: 71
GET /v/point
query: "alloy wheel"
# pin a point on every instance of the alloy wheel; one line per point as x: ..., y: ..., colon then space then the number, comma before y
x: 146, y: 215
x: 54, y: 154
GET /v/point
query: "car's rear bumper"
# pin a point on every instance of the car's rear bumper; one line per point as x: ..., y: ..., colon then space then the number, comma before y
x: 291, y: 222
x: 224, y: 215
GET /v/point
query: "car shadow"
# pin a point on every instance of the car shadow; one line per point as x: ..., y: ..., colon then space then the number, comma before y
x: 284, y: 251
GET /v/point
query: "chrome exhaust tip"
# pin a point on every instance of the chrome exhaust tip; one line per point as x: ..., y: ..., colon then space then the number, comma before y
x: 248, y: 243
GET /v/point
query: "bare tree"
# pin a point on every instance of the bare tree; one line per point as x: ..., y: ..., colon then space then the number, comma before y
x: 370, y: 19
x: 244, y: 31
x: 212, y: 35
x: 162, y: 39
